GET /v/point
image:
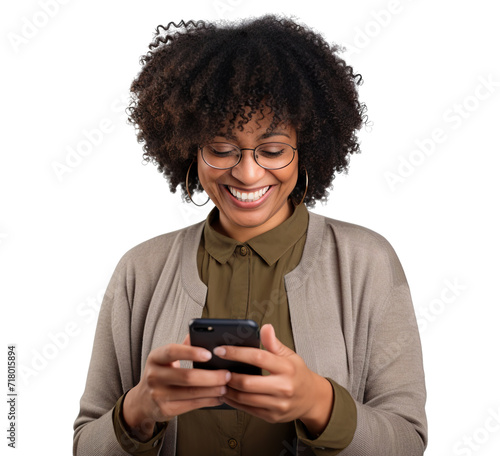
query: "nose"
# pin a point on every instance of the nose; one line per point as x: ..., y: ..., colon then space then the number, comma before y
x: 247, y: 171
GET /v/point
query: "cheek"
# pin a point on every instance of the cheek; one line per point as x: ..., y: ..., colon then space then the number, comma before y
x: 289, y: 178
x: 208, y: 178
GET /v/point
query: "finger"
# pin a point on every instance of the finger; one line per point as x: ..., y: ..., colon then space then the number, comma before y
x: 169, y: 353
x: 253, y: 356
x: 187, y: 340
x: 163, y: 378
x: 178, y: 407
x: 259, y: 384
x: 263, y: 401
x: 180, y: 393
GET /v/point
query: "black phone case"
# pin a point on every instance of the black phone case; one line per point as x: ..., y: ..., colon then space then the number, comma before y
x: 212, y: 332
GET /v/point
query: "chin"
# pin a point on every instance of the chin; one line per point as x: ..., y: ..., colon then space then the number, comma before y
x: 249, y: 221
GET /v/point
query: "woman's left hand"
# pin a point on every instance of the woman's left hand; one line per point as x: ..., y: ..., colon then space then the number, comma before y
x: 291, y: 391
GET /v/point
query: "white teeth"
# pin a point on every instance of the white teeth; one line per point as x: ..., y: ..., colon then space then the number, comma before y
x: 250, y: 197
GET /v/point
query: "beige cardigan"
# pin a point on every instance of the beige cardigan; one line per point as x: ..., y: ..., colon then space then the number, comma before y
x: 352, y: 320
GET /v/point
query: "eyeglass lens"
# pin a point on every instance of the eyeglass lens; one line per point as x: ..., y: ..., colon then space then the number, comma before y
x: 268, y: 155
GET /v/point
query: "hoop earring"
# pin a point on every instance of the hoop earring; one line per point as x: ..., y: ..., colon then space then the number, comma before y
x: 307, y: 186
x: 187, y: 187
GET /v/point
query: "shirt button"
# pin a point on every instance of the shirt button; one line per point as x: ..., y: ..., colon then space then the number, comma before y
x: 232, y: 443
x: 243, y: 250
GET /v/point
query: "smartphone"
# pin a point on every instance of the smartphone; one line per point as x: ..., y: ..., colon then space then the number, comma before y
x: 212, y: 332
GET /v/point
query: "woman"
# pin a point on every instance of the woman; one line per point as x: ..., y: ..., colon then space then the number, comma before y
x: 260, y: 115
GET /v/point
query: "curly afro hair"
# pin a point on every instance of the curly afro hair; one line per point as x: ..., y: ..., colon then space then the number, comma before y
x: 197, y: 76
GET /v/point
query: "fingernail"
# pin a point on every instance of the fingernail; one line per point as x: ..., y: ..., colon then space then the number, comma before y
x: 223, y: 390
x: 219, y: 351
x: 228, y: 376
x: 205, y: 355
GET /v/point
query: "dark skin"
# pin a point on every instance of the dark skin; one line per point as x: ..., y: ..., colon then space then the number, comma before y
x: 290, y: 391
x: 199, y: 74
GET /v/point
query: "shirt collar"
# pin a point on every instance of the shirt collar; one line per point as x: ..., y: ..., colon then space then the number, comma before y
x: 270, y: 246
x: 217, y: 245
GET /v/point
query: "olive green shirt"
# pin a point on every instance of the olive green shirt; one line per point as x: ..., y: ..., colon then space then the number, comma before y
x: 246, y: 280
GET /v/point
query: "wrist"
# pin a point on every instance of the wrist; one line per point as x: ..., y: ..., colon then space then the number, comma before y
x: 136, y: 422
x: 318, y: 416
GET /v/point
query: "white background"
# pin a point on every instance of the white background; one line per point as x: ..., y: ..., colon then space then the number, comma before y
x: 425, y: 64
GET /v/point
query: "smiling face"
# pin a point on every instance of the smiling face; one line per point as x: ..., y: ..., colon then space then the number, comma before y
x: 262, y: 203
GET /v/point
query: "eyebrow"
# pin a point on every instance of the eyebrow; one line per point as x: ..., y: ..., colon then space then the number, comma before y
x: 263, y: 136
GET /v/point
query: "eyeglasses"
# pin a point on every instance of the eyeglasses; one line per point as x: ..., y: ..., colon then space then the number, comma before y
x: 272, y: 155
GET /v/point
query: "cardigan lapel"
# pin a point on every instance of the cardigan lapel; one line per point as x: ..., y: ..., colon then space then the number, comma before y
x: 316, y: 321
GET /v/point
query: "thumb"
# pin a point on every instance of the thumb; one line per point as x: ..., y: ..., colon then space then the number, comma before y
x: 271, y: 343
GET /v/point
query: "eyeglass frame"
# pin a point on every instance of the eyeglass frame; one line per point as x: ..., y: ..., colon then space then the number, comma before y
x: 248, y: 148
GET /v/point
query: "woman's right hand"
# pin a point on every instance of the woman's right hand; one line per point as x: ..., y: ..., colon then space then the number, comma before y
x: 167, y: 390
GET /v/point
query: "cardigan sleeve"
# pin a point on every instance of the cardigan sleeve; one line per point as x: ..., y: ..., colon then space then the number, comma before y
x: 390, y: 419
x: 340, y: 429
x: 374, y: 351
x: 110, y: 373
x: 127, y: 442
x: 391, y: 416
